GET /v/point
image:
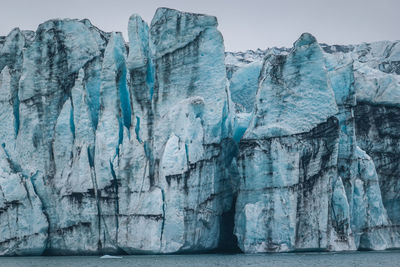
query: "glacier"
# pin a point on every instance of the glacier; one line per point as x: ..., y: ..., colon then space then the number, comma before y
x: 167, y: 143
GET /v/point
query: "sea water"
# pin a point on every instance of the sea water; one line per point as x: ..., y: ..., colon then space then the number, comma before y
x: 383, y: 258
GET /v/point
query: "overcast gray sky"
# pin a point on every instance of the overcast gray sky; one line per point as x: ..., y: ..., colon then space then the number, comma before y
x: 245, y: 24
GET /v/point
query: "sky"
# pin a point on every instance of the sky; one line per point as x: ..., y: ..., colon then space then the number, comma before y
x: 245, y: 24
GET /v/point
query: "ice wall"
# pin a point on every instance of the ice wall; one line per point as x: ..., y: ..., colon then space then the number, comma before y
x: 165, y: 144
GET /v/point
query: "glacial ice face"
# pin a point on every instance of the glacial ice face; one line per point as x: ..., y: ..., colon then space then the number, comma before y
x: 377, y: 133
x: 166, y: 144
x: 172, y: 30
x: 365, y: 83
x: 135, y: 148
x: 284, y: 192
x: 370, y: 223
x: 23, y: 225
x: 191, y: 129
x: 349, y: 227
x: 376, y: 89
x: 357, y: 171
x: 286, y: 103
x: 287, y: 162
x: 244, y: 84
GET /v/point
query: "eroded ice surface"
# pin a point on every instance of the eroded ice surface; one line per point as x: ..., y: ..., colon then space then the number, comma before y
x: 167, y: 144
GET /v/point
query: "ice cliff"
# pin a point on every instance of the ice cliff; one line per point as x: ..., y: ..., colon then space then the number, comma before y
x: 167, y: 144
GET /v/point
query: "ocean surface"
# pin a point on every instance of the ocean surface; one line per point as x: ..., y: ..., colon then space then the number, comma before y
x: 385, y: 258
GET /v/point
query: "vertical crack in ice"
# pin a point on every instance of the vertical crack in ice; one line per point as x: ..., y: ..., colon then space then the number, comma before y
x: 90, y: 152
x: 23, y: 181
x: 149, y: 156
x: 163, y: 216
x: 141, y: 186
x: 225, y: 114
x: 101, y: 220
x: 71, y: 120
x: 16, y: 113
x: 120, y: 137
x: 124, y: 97
x: 99, y: 210
x: 137, y: 129
x: 187, y: 155
x: 95, y: 191
x: 115, y: 183
x: 43, y: 207
x: 150, y: 77
x: 14, y: 166
x: 92, y: 83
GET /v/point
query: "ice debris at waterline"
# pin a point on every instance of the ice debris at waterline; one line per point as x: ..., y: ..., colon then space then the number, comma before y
x: 167, y: 144
x: 110, y: 257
